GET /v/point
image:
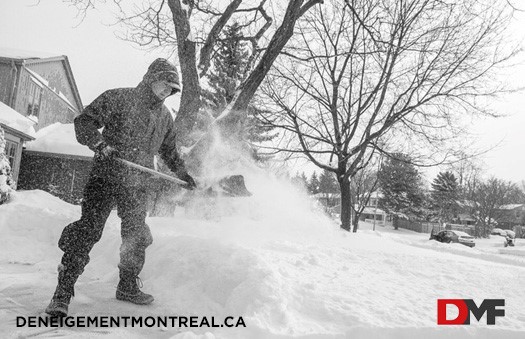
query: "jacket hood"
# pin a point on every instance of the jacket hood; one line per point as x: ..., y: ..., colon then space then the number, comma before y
x: 162, y: 69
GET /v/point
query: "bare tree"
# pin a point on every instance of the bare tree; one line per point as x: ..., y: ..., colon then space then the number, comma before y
x: 469, y: 171
x: 363, y: 185
x: 490, y: 195
x: 193, y: 28
x: 361, y: 72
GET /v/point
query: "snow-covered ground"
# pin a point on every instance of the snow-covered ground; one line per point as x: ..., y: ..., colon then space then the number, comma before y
x: 273, y: 259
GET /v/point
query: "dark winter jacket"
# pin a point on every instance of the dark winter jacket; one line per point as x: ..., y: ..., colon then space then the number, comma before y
x: 136, y: 123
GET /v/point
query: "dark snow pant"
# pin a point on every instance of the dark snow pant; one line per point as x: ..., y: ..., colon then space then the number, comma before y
x: 79, y: 237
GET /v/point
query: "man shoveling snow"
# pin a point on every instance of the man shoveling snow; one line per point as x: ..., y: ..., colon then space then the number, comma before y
x: 137, y: 125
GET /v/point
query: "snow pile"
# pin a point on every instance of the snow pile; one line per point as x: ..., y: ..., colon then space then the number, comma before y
x: 271, y: 258
x: 15, y: 120
x: 285, y: 278
x: 58, y: 138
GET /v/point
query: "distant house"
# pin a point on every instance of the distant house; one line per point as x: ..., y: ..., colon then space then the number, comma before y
x: 18, y: 129
x: 39, y: 86
x: 372, y: 211
x: 510, y: 215
x: 331, y: 203
x: 466, y: 212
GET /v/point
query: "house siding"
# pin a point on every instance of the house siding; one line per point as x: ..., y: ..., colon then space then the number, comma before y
x: 49, y: 84
x: 55, y: 74
x: 52, y: 107
x: 6, y: 82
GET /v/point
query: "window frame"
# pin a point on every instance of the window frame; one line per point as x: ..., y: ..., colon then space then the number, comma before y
x: 11, y: 146
x: 35, y: 91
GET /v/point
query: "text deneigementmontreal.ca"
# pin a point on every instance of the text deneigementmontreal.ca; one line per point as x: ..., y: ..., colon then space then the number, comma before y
x: 129, y: 321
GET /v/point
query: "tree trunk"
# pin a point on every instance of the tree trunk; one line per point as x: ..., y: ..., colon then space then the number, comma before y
x: 190, y: 101
x: 356, y: 224
x: 230, y: 122
x: 395, y: 220
x: 346, y: 208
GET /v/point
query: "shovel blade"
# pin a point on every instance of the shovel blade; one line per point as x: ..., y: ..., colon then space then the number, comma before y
x: 230, y: 186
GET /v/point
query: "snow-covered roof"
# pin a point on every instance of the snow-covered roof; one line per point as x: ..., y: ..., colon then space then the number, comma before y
x: 466, y: 203
x: 373, y: 210
x: 15, y: 53
x: 466, y: 217
x: 327, y: 195
x: 31, y: 57
x: 58, y: 138
x: 11, y: 118
x: 510, y: 206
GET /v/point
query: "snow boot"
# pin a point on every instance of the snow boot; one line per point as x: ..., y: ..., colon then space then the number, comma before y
x: 58, y: 306
x: 128, y: 289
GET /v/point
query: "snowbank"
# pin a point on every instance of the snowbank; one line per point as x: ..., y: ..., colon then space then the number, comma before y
x: 15, y: 120
x: 58, y: 138
x: 271, y: 258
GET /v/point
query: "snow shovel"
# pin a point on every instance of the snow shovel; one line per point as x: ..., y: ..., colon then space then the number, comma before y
x: 153, y: 172
x: 231, y: 186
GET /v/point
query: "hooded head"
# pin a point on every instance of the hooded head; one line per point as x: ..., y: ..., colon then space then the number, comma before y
x: 162, y: 71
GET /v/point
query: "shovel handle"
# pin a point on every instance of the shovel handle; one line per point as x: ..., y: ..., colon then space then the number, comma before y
x: 152, y: 172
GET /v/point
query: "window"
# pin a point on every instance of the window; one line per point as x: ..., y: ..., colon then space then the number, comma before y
x: 34, y: 97
x: 10, y: 151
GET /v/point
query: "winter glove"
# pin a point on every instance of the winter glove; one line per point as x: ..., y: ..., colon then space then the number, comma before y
x: 105, y: 152
x: 188, y: 178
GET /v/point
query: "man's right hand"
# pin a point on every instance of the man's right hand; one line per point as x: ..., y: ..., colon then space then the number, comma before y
x: 191, y: 184
x: 105, y: 152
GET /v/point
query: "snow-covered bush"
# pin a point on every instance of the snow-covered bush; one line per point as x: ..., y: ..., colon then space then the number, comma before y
x: 6, y: 181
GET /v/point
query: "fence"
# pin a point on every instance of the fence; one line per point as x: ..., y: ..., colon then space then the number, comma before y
x: 378, y: 222
x: 426, y: 227
x: 61, y: 175
x: 417, y: 226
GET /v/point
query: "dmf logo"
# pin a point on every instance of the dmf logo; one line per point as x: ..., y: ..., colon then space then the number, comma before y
x: 467, y: 306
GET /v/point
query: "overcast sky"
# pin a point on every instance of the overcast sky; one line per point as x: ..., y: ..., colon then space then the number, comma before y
x: 101, y: 61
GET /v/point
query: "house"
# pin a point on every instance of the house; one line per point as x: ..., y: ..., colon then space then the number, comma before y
x: 466, y: 212
x: 372, y: 212
x: 17, y: 130
x: 40, y: 94
x: 510, y: 215
x: 39, y: 86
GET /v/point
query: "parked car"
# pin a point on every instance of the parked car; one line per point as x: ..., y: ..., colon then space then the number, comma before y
x: 448, y: 236
x: 510, y: 236
x: 498, y: 231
